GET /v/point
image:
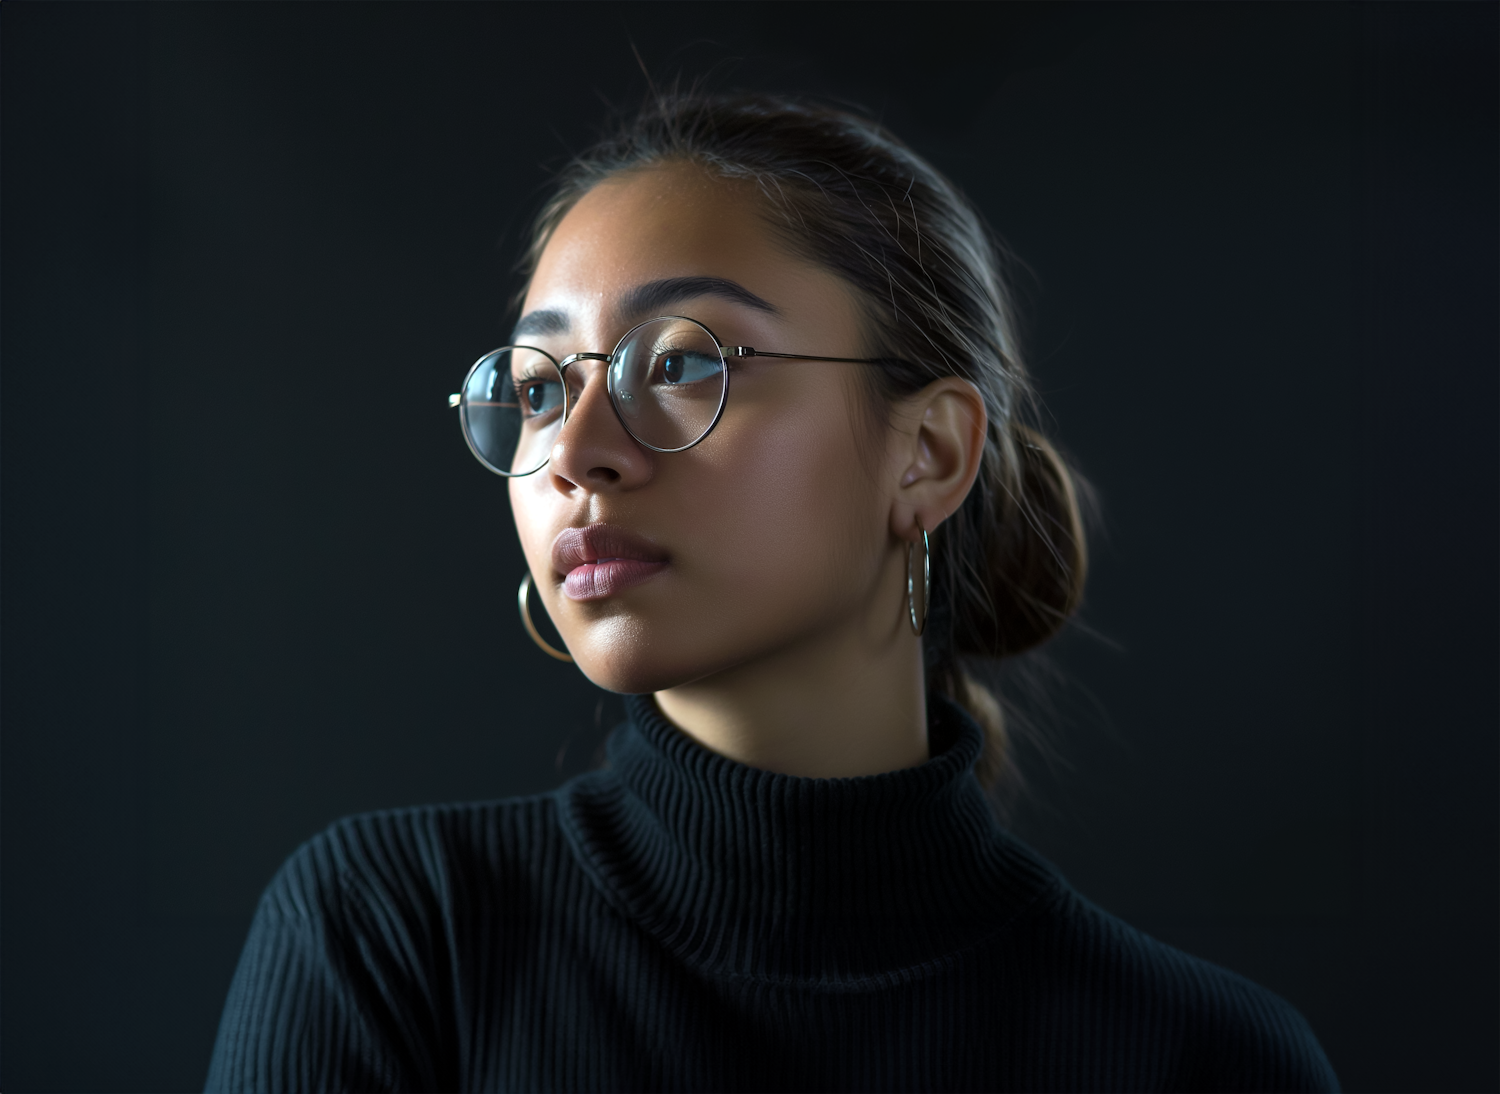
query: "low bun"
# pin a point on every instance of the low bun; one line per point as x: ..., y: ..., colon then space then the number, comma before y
x: 1035, y: 554
x: 1023, y: 527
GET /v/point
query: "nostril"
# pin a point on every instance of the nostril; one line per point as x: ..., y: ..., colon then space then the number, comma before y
x: 604, y: 474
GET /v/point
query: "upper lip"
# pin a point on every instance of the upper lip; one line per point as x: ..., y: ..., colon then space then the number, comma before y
x: 574, y: 547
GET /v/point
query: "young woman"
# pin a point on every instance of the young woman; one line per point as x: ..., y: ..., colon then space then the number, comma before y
x: 764, y: 427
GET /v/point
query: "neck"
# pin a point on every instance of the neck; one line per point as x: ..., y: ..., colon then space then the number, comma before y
x: 844, y: 701
x: 784, y: 881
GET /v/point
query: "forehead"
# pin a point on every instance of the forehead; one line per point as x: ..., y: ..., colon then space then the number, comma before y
x: 675, y: 239
x: 669, y: 221
x: 671, y: 213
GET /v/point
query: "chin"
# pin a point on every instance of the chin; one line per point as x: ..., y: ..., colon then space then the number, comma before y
x: 633, y: 675
x: 622, y: 655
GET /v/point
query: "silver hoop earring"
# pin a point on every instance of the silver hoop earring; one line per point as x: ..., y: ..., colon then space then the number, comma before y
x: 522, y: 597
x: 911, y: 604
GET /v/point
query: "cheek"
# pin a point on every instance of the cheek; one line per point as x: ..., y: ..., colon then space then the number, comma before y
x: 776, y: 529
x: 793, y: 519
x: 527, y: 506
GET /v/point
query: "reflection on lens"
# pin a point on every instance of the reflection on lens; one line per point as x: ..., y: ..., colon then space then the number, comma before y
x: 513, y: 406
x: 668, y: 383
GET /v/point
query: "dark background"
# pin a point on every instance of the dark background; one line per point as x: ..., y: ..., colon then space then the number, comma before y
x: 253, y: 581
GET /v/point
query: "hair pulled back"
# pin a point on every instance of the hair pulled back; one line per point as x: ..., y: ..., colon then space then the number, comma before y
x: 1008, y: 567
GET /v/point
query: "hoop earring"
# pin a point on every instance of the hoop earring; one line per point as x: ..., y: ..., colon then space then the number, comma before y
x: 911, y: 604
x: 522, y: 597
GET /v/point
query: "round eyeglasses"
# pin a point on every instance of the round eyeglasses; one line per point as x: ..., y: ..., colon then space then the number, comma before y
x: 668, y: 380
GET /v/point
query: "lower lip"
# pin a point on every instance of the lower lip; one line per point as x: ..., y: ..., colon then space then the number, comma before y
x: 597, y: 580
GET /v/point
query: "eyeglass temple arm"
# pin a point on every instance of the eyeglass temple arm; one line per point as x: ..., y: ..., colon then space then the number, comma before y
x: 751, y: 351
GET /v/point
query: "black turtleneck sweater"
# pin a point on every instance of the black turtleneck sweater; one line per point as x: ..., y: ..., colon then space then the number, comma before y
x: 678, y: 921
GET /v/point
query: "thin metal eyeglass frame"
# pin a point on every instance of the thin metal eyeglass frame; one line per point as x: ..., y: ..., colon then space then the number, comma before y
x: 725, y: 352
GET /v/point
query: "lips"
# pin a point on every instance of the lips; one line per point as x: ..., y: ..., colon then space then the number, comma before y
x: 602, y: 560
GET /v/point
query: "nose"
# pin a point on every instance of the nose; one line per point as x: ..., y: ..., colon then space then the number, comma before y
x: 593, y: 452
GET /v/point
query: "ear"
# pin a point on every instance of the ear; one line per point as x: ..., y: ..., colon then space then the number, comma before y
x: 939, y: 442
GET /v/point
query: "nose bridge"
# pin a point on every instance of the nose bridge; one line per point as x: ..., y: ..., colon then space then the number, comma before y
x: 579, y: 389
x: 576, y: 379
x: 594, y: 450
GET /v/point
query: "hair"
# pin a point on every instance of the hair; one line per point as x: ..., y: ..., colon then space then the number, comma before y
x: 843, y: 192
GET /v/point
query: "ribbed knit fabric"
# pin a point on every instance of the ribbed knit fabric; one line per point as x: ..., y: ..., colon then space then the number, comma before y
x: 678, y: 921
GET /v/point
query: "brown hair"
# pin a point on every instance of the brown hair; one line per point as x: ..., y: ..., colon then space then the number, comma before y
x: 1008, y: 567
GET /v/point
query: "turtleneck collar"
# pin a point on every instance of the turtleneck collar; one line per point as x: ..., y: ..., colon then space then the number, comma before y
x: 750, y: 872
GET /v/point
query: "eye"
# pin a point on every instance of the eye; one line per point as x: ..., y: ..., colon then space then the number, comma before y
x: 689, y: 366
x: 540, y: 396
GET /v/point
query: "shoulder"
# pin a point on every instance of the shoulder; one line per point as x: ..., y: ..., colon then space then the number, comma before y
x: 343, y: 979
x: 1227, y: 1032
x: 414, y: 862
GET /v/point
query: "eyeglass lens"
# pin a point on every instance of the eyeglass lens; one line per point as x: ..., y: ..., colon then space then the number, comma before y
x: 666, y: 379
x: 513, y: 408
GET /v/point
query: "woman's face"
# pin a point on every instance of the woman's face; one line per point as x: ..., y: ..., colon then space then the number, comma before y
x: 660, y: 569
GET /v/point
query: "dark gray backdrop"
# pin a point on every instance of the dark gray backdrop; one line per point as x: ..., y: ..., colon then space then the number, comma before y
x: 253, y: 580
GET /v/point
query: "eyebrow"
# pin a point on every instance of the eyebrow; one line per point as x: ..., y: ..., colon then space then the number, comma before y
x: 651, y: 298
x: 654, y: 296
x: 546, y: 321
